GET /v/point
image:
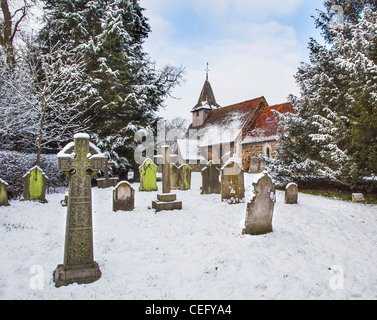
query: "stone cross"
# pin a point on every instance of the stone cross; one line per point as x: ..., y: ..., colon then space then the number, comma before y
x: 79, y: 159
x: 166, y: 169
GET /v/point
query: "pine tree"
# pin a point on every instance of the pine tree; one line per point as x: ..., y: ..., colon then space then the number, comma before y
x: 123, y: 85
x: 332, y: 135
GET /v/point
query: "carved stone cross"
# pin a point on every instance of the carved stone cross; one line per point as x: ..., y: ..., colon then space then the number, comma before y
x: 79, y: 159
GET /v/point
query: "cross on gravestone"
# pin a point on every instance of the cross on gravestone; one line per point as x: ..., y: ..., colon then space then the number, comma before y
x: 167, y: 200
x: 79, y: 158
x: 106, y: 181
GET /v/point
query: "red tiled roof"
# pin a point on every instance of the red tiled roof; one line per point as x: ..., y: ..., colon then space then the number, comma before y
x: 267, y: 124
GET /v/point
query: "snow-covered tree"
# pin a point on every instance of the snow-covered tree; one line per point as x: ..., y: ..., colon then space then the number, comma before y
x: 332, y: 135
x: 124, y: 85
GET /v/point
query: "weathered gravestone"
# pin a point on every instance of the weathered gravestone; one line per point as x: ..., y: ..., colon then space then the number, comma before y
x: 35, y: 183
x: 123, y: 197
x: 106, y: 181
x: 180, y: 177
x: 358, y: 198
x: 79, y: 159
x: 166, y: 200
x: 3, y: 193
x: 232, y: 183
x: 148, y: 179
x: 210, y: 179
x: 260, y: 209
x: 255, y: 165
x: 291, y: 193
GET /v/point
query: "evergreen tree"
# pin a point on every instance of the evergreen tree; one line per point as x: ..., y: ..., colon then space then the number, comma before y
x: 332, y: 135
x: 123, y: 86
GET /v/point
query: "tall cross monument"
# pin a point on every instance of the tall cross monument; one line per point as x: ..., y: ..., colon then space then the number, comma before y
x: 79, y: 159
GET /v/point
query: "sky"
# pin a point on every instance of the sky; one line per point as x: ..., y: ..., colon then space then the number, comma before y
x: 253, y: 47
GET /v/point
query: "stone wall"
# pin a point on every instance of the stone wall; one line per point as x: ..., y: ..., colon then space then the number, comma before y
x: 256, y: 149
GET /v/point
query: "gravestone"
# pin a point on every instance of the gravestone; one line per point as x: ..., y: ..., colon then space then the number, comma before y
x: 180, y: 177
x: 3, y: 193
x: 184, y: 177
x: 255, y: 165
x: 291, y: 193
x: 35, y: 183
x: 174, y: 177
x: 358, y: 198
x: 79, y: 159
x: 232, y: 183
x: 210, y: 179
x: 148, y: 179
x: 260, y: 209
x: 123, y: 197
x: 166, y: 200
x: 106, y: 181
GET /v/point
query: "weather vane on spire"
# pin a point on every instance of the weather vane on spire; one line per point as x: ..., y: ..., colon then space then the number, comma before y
x: 207, y: 70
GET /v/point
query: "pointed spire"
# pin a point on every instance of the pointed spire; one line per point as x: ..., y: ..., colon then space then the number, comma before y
x: 207, y: 70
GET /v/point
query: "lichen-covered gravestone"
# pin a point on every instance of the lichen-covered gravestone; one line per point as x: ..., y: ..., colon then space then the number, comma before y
x: 79, y: 159
x: 232, y: 183
x: 174, y: 177
x: 180, y: 177
x: 210, y: 179
x: 291, y: 193
x: 3, y: 194
x: 35, y: 183
x: 123, y: 197
x: 148, y: 179
x: 260, y: 209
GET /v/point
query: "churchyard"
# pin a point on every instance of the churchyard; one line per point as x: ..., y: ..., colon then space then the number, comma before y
x: 253, y: 244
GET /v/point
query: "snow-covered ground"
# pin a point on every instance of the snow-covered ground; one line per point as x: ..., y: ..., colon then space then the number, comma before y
x: 320, y: 249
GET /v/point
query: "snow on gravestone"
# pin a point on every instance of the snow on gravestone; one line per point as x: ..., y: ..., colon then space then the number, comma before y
x: 291, y: 193
x: 3, y: 193
x: 78, y: 159
x: 148, y: 173
x: 260, y: 209
x: 210, y: 179
x: 180, y: 177
x: 35, y: 183
x: 232, y: 182
x: 123, y: 197
x: 358, y: 198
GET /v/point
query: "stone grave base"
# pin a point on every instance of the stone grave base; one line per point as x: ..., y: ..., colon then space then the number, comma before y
x: 65, y: 277
x: 167, y: 201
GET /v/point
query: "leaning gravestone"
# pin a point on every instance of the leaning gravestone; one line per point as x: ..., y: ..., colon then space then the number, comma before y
x: 291, y: 193
x: 123, y: 197
x: 3, y: 193
x: 35, y: 183
x: 148, y: 173
x: 78, y: 159
x: 260, y: 209
x: 232, y: 183
x: 210, y: 179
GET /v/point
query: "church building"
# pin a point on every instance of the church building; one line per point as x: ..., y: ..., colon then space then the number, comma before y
x: 241, y: 131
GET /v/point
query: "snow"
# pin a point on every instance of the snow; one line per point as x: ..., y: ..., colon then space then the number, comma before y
x: 196, y: 253
x: 33, y: 168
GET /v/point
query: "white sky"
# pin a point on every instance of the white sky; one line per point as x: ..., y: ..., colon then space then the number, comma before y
x: 253, y: 47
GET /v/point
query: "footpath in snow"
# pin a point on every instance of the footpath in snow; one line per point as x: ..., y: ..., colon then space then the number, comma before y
x: 320, y: 249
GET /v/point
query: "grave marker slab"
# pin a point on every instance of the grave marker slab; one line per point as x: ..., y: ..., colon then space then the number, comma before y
x: 3, y: 193
x: 148, y: 176
x: 358, y: 198
x: 291, y: 193
x: 232, y: 183
x: 78, y: 159
x: 106, y: 181
x: 123, y: 197
x: 260, y: 209
x: 35, y: 183
x: 210, y: 179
